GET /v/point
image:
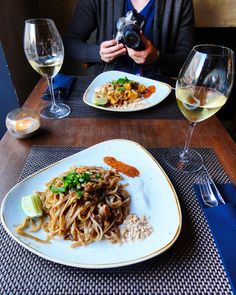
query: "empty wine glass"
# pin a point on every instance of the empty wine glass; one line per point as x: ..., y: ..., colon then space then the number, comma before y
x: 202, y: 88
x: 45, y: 52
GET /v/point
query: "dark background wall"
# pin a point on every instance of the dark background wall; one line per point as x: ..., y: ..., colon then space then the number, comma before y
x: 13, y: 14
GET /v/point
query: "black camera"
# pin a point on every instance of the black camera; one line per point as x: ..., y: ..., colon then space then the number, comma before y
x: 129, y: 28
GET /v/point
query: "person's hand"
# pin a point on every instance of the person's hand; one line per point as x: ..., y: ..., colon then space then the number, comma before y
x: 109, y: 50
x: 147, y: 56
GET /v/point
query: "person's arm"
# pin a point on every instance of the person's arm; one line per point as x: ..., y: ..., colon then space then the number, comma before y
x: 171, y: 63
x: 83, y: 24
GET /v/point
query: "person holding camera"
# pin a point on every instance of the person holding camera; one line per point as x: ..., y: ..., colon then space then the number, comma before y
x: 143, y: 37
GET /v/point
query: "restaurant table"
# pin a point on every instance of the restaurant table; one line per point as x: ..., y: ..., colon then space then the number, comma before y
x: 59, y: 138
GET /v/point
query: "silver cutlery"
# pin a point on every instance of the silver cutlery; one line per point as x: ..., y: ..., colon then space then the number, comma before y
x: 209, y: 192
x: 215, y: 189
x: 206, y: 191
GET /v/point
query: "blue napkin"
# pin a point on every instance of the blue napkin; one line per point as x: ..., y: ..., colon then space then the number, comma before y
x: 222, y: 222
x: 61, y: 85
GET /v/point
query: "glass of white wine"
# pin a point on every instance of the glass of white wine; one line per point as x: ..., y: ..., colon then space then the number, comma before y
x: 202, y: 88
x: 45, y: 52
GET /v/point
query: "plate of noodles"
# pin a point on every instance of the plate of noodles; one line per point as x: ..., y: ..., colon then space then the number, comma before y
x: 109, y: 205
x: 122, y: 92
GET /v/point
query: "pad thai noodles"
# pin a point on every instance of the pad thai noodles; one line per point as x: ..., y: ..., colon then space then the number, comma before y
x: 84, y: 205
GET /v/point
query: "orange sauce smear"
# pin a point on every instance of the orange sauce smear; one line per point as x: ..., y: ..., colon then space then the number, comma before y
x: 150, y: 90
x: 121, y: 167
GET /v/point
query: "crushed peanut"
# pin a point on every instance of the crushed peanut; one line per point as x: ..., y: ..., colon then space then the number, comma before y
x: 135, y: 228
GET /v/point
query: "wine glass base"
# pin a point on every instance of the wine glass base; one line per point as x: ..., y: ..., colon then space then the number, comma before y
x: 173, y: 160
x: 61, y: 110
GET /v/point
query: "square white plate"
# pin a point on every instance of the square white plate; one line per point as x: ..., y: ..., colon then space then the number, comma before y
x: 152, y: 195
x: 162, y: 91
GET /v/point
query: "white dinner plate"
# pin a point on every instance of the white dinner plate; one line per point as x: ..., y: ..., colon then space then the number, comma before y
x: 162, y: 91
x: 152, y: 195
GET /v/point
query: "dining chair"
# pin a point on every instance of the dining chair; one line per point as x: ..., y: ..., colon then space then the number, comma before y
x: 8, y: 96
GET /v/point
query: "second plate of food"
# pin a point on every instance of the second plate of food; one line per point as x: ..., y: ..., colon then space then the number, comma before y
x: 123, y: 92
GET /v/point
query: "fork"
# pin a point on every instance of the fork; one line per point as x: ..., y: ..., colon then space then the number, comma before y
x: 216, y: 191
x: 207, y: 194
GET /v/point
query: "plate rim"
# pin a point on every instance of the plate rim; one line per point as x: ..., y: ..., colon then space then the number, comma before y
x: 123, y: 110
x: 100, y: 265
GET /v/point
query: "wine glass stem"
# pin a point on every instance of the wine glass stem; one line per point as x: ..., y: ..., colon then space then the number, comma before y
x: 54, y: 106
x: 184, y: 156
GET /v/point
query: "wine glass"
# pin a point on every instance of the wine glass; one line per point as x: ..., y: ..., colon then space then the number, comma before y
x: 45, y: 52
x: 202, y: 88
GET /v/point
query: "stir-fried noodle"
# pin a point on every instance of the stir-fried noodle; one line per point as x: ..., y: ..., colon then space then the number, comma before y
x: 85, y: 205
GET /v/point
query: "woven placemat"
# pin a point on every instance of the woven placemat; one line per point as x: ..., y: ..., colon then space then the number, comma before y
x: 167, y: 109
x: 191, y: 266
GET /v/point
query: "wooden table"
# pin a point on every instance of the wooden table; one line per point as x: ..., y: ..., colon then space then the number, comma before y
x: 89, y: 131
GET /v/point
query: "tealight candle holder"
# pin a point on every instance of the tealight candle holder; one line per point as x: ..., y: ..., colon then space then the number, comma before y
x: 22, y: 122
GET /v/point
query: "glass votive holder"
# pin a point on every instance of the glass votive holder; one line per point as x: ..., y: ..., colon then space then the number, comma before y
x: 22, y: 122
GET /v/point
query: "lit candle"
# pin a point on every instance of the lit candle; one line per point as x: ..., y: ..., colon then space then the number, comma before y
x: 22, y: 123
x: 26, y: 125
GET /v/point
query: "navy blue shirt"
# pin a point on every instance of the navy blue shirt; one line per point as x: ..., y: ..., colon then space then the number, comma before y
x: 125, y: 63
x: 148, y: 13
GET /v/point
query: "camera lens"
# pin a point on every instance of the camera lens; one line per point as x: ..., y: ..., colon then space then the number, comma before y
x: 131, y: 36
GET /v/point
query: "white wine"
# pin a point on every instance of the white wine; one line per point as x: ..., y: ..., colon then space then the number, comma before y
x: 47, y: 66
x: 199, y: 103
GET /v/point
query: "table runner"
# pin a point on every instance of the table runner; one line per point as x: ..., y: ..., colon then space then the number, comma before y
x: 167, y: 109
x: 191, y: 266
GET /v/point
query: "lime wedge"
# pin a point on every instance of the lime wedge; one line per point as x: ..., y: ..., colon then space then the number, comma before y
x: 32, y: 206
x: 100, y: 101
